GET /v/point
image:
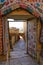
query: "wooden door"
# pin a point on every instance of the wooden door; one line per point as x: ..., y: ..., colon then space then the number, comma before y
x: 32, y: 39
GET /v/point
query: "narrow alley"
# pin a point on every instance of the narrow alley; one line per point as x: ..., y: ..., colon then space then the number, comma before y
x: 19, y: 57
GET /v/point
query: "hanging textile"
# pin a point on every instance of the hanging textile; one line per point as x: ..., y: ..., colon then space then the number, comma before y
x: 2, y: 1
x: 41, y: 36
x: 6, y: 37
x: 26, y: 5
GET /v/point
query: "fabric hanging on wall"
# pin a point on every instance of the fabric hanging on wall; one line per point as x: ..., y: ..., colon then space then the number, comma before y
x: 41, y: 36
x: 29, y: 9
x: 7, y: 11
x: 32, y: 9
x: 6, y: 38
x: 23, y: 6
x: 2, y: 1
x: 6, y: 2
x: 41, y: 32
x: 11, y: 1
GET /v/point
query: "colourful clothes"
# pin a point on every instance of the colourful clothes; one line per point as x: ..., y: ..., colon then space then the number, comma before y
x: 41, y: 36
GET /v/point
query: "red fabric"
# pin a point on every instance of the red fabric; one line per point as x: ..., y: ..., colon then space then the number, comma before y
x: 0, y: 13
x: 6, y: 3
x: 23, y: 6
x: 11, y: 1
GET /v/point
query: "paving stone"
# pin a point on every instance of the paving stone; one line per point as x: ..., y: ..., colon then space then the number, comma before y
x: 19, y: 56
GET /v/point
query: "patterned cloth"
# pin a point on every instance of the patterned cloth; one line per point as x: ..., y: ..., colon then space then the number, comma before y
x: 41, y: 36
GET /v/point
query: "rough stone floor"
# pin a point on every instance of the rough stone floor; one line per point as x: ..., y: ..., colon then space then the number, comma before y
x: 18, y: 56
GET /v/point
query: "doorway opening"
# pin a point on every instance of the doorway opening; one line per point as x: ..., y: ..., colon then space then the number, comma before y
x: 17, y: 38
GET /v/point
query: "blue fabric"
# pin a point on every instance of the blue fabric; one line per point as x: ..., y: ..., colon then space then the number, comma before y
x: 2, y: 1
x: 9, y: 10
x: 5, y: 12
x: 29, y: 9
x: 38, y: 4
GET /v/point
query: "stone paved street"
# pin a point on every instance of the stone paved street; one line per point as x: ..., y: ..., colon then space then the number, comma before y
x: 18, y: 56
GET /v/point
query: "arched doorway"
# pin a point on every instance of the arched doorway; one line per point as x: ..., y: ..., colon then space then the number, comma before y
x: 17, y: 15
